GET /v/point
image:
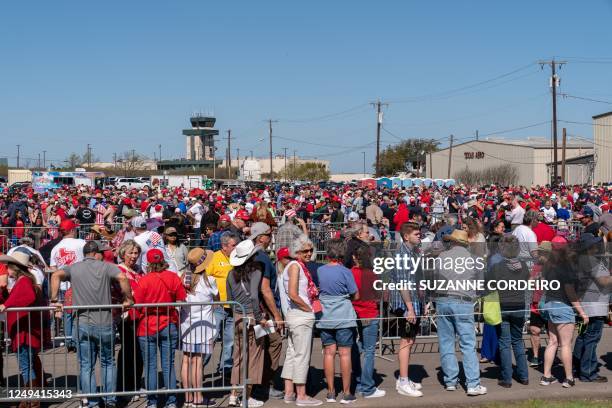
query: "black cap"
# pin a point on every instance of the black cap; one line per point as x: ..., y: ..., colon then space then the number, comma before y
x: 96, y: 247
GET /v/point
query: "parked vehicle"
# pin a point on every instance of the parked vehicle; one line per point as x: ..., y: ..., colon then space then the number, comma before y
x: 130, y: 182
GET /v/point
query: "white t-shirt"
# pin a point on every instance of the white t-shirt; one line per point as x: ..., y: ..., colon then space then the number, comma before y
x: 67, y: 252
x: 549, y: 214
x: 528, y: 241
x: 149, y: 240
x: 196, y: 210
x: 198, y: 322
x: 286, y: 303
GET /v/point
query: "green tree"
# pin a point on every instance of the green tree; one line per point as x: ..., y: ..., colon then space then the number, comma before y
x: 74, y: 160
x: 393, y: 158
x: 308, y: 171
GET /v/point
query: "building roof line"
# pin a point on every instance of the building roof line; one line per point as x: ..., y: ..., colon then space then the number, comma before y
x: 517, y: 145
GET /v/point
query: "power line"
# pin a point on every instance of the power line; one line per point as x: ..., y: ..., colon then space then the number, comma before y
x: 499, y: 132
x: 583, y: 98
x: 584, y: 123
x: 326, y: 116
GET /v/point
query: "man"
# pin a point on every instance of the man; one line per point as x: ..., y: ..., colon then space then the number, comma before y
x: 289, y: 231
x: 84, y: 214
x: 515, y: 215
x: 542, y: 230
x: 550, y: 213
x: 373, y: 213
x: 261, y: 235
x: 594, y: 293
x: 148, y: 240
x: 195, y: 214
x: 455, y: 309
x: 91, y: 281
x: 528, y: 241
x: 219, y: 268
x: 406, y: 305
x: 67, y: 252
x: 586, y: 219
x: 214, y: 242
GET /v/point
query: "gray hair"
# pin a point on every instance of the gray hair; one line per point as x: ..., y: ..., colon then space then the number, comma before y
x: 298, y: 244
x: 530, y: 217
x: 354, y: 230
x: 227, y: 236
x: 126, y: 246
x: 335, y: 248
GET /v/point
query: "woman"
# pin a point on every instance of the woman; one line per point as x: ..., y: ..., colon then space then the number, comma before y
x: 262, y: 213
x: 358, y: 237
x: 53, y: 223
x: 198, y: 326
x: 18, y: 223
x: 157, y: 326
x: 478, y: 243
x: 367, y: 325
x: 338, y: 321
x: 176, y: 250
x: 24, y: 328
x: 437, y: 208
x: 512, y: 304
x: 243, y: 287
x: 300, y: 295
x: 129, y: 359
x: 558, y: 311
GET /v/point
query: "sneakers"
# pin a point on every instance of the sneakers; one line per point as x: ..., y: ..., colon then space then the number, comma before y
x: 598, y: 379
x: 451, y: 387
x: 478, y: 390
x: 568, y: 383
x: 233, y: 401
x: 348, y: 399
x: 289, y: 399
x: 376, y: 394
x: 547, y: 380
x: 407, y: 389
x: 331, y: 397
x: 276, y: 394
x: 416, y: 386
x: 308, y: 402
x: 504, y: 384
x: 534, y: 362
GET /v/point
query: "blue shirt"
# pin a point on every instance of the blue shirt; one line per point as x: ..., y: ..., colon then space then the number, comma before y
x: 336, y: 280
x: 269, y: 271
x: 214, y: 242
x: 396, y: 301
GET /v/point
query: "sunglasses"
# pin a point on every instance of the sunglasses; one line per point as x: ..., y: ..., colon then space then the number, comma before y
x: 306, y: 251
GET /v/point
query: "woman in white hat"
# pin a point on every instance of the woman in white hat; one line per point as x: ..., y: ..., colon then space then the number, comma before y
x: 243, y: 284
x: 24, y: 328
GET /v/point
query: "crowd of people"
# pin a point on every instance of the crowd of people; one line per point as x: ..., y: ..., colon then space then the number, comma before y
x: 241, y: 259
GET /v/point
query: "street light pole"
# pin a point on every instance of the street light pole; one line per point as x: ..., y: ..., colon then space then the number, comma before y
x: 364, y: 172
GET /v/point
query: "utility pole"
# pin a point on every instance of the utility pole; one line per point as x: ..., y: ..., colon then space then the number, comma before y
x: 554, y: 83
x: 379, y: 118
x: 563, y: 144
x: 39, y: 160
x: 450, y: 157
x: 44, y: 159
x: 294, y: 165
x: 229, y: 153
x: 18, y: 153
x: 88, y: 155
x: 115, y: 160
x: 364, y: 172
x: 430, y: 166
x: 238, y: 159
x: 285, y: 149
x: 476, y: 134
x: 270, y: 121
x: 159, y: 146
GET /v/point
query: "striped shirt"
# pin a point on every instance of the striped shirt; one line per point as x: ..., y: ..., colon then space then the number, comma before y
x: 396, y: 302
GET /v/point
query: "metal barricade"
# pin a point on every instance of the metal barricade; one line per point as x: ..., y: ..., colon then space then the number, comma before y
x: 130, y: 348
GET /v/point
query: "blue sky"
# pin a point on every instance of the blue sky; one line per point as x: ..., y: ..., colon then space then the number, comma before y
x: 126, y: 75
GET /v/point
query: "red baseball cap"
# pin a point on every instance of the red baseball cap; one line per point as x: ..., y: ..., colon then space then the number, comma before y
x: 67, y: 225
x: 282, y: 253
x: 155, y: 256
x: 225, y: 217
x: 243, y: 215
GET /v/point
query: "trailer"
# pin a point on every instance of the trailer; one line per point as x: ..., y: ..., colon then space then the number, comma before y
x: 43, y: 181
x: 19, y: 176
x: 174, y: 180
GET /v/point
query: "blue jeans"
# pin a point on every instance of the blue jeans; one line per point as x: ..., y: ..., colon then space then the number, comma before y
x: 167, y: 340
x: 511, y: 333
x: 93, y: 341
x: 197, y: 232
x: 26, y: 357
x: 68, y: 329
x: 364, y: 376
x: 456, y: 318
x: 585, y: 350
x: 225, y: 325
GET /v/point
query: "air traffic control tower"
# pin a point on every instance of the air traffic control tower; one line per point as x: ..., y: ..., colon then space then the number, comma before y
x: 200, y: 143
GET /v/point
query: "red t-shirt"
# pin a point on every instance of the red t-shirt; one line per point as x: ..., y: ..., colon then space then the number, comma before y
x: 365, y: 309
x: 544, y: 232
x: 158, y: 287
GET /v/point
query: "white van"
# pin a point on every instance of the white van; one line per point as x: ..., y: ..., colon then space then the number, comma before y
x: 130, y: 182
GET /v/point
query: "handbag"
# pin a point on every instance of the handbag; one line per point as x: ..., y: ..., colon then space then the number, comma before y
x: 313, y: 292
x: 491, y: 310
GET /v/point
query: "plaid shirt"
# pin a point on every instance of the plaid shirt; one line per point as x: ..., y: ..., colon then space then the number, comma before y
x: 214, y: 242
x: 396, y: 302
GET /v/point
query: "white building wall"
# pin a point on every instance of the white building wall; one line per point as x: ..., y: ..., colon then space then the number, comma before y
x: 602, y: 136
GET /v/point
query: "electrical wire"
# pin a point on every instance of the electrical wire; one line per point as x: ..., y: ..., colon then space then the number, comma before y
x: 515, y: 129
x: 326, y: 116
x: 583, y: 123
x: 564, y: 95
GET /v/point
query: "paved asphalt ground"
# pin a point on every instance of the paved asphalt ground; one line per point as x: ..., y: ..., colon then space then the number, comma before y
x: 425, y: 368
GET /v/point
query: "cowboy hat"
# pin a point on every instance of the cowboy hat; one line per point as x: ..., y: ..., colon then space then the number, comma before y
x: 199, y: 258
x: 458, y: 236
x: 19, y: 259
x: 102, y: 231
x: 242, y: 252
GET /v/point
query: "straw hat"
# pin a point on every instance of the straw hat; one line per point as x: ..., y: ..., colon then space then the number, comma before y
x: 199, y: 258
x: 458, y: 236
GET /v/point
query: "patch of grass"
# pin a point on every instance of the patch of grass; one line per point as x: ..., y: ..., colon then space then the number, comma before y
x: 538, y: 403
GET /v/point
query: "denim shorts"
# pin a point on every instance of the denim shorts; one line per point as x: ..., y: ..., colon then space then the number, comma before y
x: 558, y: 313
x: 341, y: 337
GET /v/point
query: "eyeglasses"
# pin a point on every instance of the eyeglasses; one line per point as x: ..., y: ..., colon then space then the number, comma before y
x: 306, y: 251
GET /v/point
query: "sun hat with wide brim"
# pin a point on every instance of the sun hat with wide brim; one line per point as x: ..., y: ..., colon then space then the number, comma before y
x: 19, y: 259
x: 199, y: 258
x: 458, y: 236
x: 242, y: 252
